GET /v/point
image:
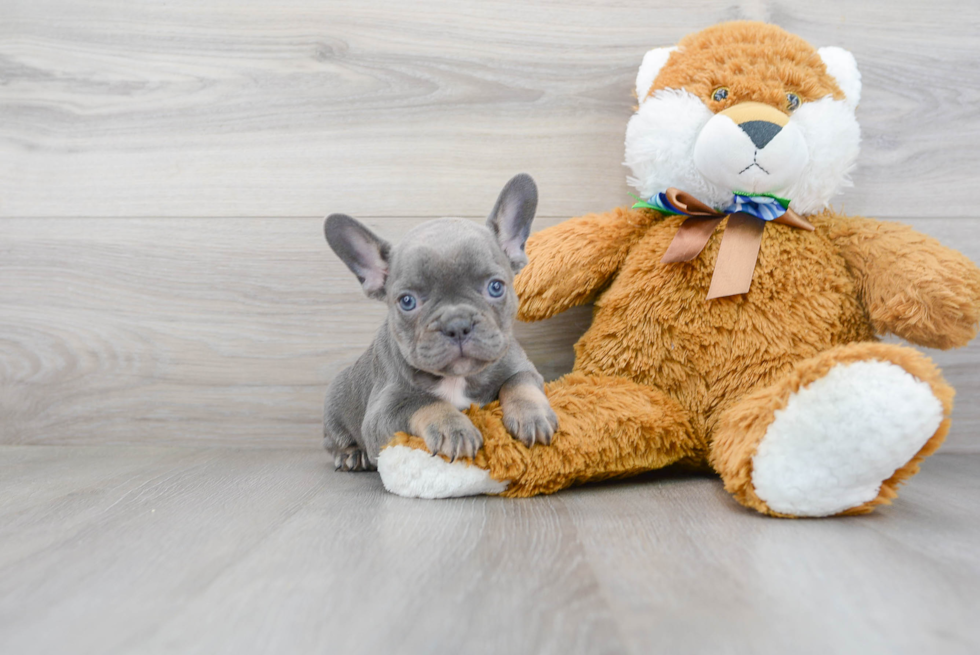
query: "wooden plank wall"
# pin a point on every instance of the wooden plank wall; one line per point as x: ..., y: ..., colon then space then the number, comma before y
x: 164, y: 168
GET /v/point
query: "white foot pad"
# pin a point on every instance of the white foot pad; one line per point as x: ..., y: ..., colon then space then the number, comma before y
x: 416, y: 474
x: 839, y: 438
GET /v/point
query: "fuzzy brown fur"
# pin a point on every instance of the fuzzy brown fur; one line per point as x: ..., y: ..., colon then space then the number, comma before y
x: 754, y: 61
x: 663, y: 375
x: 810, y: 293
x: 610, y: 427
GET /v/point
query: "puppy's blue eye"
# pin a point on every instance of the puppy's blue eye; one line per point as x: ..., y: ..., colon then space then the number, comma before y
x: 407, y: 302
x: 719, y: 94
x: 495, y: 288
x: 792, y: 101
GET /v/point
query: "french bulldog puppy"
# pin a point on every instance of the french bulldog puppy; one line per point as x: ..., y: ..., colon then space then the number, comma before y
x: 447, y: 341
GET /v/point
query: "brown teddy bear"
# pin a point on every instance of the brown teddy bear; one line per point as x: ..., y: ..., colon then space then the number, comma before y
x: 736, y: 314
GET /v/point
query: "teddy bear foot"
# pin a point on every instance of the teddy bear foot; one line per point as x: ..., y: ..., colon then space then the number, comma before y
x: 838, y: 439
x: 414, y: 473
x: 845, y: 437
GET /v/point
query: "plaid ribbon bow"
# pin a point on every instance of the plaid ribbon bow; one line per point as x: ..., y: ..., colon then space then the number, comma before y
x: 747, y: 217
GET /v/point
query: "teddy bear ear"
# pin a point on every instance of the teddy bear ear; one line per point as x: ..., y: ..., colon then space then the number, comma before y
x: 653, y: 61
x: 842, y: 67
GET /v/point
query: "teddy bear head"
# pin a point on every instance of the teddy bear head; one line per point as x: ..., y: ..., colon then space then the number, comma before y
x: 745, y: 108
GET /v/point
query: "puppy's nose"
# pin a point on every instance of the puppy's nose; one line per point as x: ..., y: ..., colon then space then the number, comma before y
x: 458, y: 329
x: 761, y: 132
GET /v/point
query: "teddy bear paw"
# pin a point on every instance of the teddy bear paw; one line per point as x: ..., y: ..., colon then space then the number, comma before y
x: 414, y: 473
x: 839, y: 438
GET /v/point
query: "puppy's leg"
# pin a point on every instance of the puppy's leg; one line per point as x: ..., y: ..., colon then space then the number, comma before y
x: 341, y: 445
x: 338, y: 439
x: 528, y: 416
x: 446, y: 430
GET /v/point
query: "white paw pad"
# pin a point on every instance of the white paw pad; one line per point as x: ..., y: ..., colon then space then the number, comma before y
x: 414, y: 473
x: 841, y: 436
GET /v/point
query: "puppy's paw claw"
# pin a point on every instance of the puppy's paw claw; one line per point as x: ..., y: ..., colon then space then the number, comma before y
x: 532, y: 423
x: 454, y: 436
x: 352, y: 459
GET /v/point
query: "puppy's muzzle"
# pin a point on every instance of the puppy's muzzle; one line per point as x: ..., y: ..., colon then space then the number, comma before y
x: 458, y: 328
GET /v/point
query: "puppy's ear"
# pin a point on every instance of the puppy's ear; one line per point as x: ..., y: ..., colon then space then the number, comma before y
x: 365, y: 253
x: 510, y: 220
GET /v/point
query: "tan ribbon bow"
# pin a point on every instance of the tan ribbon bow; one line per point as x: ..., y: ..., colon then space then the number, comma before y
x: 739, y: 244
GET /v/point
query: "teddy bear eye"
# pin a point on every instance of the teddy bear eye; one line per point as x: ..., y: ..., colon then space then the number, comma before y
x: 719, y: 94
x: 792, y: 101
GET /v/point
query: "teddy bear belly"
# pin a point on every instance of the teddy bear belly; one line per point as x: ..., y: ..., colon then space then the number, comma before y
x: 654, y: 326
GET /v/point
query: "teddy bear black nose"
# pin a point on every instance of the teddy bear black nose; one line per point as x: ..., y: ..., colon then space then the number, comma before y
x: 761, y: 132
x: 458, y: 329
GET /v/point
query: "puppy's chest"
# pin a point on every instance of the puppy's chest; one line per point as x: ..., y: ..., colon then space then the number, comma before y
x: 455, y: 392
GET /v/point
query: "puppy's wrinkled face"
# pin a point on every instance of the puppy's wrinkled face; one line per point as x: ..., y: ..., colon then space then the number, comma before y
x: 449, y: 285
x: 451, y: 299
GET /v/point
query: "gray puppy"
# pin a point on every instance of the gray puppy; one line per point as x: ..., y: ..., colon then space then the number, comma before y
x: 447, y: 341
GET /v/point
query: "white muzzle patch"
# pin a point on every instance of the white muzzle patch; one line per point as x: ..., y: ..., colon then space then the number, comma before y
x: 754, y: 157
x: 674, y: 140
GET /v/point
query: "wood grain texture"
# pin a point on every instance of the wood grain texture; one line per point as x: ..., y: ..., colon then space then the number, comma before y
x: 386, y: 108
x: 902, y: 581
x: 174, y: 330
x: 107, y: 550
x: 157, y: 550
x: 227, y: 331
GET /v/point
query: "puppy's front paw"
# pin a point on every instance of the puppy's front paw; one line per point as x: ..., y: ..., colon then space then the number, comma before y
x: 446, y: 430
x: 532, y: 424
x: 529, y: 418
x: 352, y: 459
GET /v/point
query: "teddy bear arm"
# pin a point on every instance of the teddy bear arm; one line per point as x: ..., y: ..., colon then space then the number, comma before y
x: 912, y: 286
x: 570, y: 263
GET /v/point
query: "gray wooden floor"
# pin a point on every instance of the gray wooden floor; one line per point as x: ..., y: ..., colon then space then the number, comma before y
x: 218, y: 550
